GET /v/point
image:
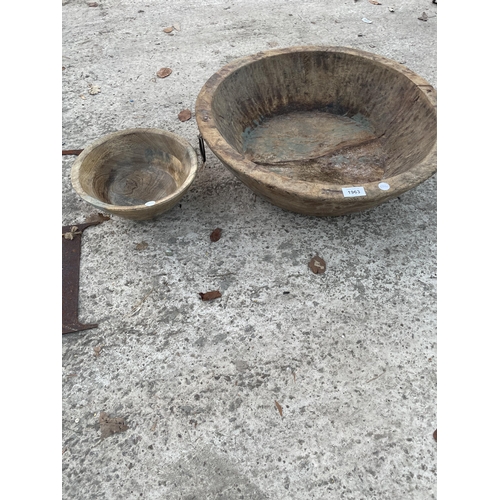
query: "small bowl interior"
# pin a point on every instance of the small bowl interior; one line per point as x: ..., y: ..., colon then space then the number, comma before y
x: 322, y: 116
x: 135, y: 168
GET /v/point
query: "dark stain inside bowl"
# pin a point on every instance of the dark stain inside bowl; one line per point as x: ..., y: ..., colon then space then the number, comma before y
x: 317, y: 146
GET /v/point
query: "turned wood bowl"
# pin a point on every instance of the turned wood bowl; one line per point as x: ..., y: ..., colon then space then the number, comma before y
x: 136, y: 174
x: 321, y: 130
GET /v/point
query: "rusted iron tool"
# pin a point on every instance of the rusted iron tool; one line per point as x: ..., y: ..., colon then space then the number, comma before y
x: 71, y: 249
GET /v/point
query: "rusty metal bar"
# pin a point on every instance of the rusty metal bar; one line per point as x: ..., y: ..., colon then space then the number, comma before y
x: 71, y: 250
x: 75, y: 152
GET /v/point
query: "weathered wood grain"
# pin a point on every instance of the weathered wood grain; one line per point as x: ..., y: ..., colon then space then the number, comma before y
x: 136, y: 173
x: 292, y: 124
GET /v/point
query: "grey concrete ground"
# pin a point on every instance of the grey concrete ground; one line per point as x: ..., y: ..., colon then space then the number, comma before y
x: 350, y: 355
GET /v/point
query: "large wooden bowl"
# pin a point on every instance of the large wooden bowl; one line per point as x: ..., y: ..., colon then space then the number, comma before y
x: 136, y: 174
x: 321, y: 130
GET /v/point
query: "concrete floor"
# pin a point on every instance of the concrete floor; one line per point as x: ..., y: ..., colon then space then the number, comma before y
x: 349, y: 355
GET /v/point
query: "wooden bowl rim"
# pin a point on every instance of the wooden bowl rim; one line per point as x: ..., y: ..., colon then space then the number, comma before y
x: 308, y: 190
x: 75, y: 172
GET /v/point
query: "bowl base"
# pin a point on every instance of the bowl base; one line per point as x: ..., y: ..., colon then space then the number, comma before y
x: 138, y: 187
x: 317, y: 146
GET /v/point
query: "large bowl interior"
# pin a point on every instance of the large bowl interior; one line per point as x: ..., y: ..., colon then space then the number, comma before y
x: 322, y: 116
x: 136, y: 168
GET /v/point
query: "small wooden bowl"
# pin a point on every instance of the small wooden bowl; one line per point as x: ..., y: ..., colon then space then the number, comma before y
x: 135, y: 173
x: 321, y: 130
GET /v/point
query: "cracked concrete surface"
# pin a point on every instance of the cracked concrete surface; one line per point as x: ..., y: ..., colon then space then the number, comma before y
x: 349, y: 355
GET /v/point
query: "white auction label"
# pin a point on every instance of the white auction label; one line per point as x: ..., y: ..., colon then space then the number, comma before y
x: 150, y: 203
x: 384, y: 186
x: 354, y: 191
